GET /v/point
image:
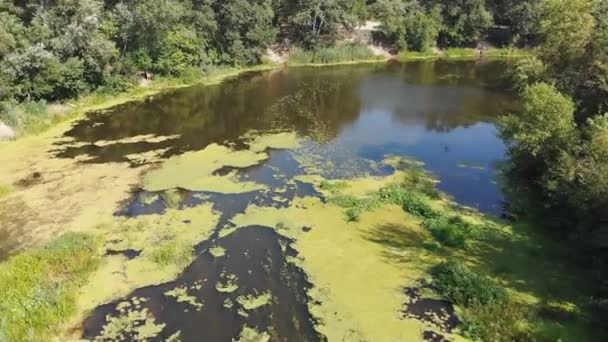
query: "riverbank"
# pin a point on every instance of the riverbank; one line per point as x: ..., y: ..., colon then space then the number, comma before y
x: 464, y: 54
x: 48, y: 115
x: 35, y: 117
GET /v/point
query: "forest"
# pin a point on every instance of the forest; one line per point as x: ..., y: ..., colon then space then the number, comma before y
x: 61, y: 49
x: 555, y: 176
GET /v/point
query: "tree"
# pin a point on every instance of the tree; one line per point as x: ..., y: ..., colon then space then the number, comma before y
x: 407, y: 24
x: 545, y: 126
x: 314, y: 22
x: 465, y: 21
x: 245, y: 29
x: 566, y: 28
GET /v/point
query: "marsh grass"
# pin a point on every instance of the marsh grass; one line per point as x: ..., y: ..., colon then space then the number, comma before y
x: 416, y: 55
x: 463, y: 53
x: 172, y: 253
x: 457, y: 53
x: 330, y: 55
x: 39, y: 286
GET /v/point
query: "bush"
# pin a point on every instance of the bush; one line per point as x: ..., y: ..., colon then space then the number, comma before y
x: 497, y: 322
x: 452, y: 231
x: 461, y: 286
x: 346, y: 53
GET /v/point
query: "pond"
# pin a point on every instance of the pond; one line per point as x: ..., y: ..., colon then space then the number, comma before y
x: 246, y: 150
x: 440, y: 113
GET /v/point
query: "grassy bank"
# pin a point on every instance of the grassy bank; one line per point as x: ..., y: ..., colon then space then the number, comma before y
x: 349, y: 53
x: 508, y: 283
x: 36, y: 116
x: 39, y: 287
x: 463, y: 54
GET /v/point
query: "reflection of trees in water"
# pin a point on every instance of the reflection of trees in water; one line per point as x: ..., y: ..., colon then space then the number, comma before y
x: 440, y: 96
x: 318, y: 110
x: 317, y: 103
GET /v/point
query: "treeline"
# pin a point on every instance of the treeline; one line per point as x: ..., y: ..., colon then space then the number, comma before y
x: 60, y: 49
x: 558, y: 145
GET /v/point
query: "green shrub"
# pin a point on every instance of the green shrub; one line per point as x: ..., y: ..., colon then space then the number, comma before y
x: 352, y: 214
x: 409, y: 199
x: 461, y: 286
x: 497, y: 322
x: 325, y: 55
x: 450, y: 231
x: 39, y: 287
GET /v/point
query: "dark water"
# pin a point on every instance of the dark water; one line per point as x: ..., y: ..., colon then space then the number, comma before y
x: 439, y: 112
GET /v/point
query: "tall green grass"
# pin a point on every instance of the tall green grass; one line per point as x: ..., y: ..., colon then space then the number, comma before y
x: 329, y: 55
x: 23, y: 115
x: 38, y: 288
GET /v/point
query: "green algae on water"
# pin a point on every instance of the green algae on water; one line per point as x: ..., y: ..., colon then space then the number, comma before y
x: 284, y: 141
x: 251, y: 302
x: 252, y: 335
x: 217, y: 251
x: 132, y: 321
x: 181, y: 295
x: 227, y: 283
x: 195, y: 171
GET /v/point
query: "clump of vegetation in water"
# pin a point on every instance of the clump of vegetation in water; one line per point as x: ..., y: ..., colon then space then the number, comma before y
x: 39, y: 286
x: 458, y: 284
x: 171, y: 253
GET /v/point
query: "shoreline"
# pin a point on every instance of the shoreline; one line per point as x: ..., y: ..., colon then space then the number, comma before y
x: 76, y: 109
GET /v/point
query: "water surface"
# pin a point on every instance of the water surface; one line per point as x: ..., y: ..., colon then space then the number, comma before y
x: 441, y: 113
x: 348, y: 120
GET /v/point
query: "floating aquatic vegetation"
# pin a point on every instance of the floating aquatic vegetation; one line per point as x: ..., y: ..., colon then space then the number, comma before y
x: 284, y: 140
x: 165, y: 242
x: 196, y: 171
x: 402, y: 162
x: 227, y: 284
x: 217, y: 251
x: 252, y: 335
x: 133, y: 323
x: 181, y: 295
x: 251, y: 302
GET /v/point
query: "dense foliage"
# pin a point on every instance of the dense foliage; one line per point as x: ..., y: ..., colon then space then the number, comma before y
x: 558, y: 144
x: 61, y: 49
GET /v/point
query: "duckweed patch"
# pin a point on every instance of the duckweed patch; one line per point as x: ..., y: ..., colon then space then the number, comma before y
x: 251, y: 302
x: 196, y: 170
x: 217, y: 251
x: 227, y: 284
x: 39, y: 287
x: 180, y: 294
x: 249, y: 334
x: 132, y: 323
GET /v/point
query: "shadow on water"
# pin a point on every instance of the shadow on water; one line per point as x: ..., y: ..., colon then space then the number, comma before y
x: 256, y: 260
